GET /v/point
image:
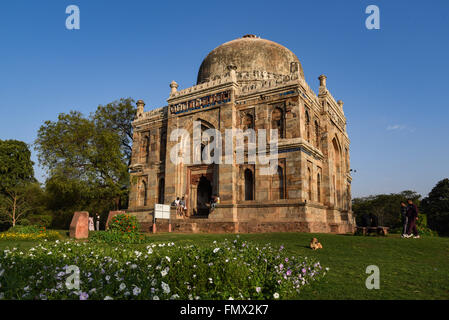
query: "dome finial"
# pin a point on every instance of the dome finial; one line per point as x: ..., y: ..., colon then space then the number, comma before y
x: 140, y: 105
x: 174, y: 86
x: 322, y: 79
x: 250, y: 36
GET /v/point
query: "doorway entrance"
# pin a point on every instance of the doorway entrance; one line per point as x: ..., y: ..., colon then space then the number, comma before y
x: 204, y: 193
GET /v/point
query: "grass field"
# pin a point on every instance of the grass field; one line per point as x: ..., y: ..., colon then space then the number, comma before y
x: 409, y: 268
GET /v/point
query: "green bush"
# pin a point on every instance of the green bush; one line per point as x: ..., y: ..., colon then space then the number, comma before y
x: 27, y: 229
x: 114, y: 236
x: 423, y: 229
x: 124, y: 223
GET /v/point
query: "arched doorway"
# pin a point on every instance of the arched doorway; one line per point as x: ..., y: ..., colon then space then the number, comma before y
x: 203, y: 196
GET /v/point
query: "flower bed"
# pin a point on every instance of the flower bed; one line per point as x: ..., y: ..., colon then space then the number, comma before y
x: 31, y: 232
x: 225, y: 270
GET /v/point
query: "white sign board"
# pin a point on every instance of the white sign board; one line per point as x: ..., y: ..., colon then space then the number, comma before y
x: 161, y: 211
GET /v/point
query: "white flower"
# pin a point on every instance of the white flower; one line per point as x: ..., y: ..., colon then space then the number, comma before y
x: 168, y: 259
x: 276, y: 295
x: 165, y: 271
x: 216, y: 250
x: 133, y: 266
x: 258, y: 289
x: 108, y: 298
x: 155, y: 298
x: 122, y: 286
x: 165, y: 287
x: 231, y: 298
x: 136, y: 291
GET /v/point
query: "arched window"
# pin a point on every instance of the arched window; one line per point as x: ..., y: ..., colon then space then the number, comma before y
x: 309, y: 173
x: 163, y: 145
x: 307, y: 126
x: 143, y: 193
x: 249, y: 185
x: 147, y: 148
x: 280, y: 174
x: 248, y: 122
x: 318, y: 187
x: 161, y: 191
x: 337, y: 170
x: 317, y: 134
x: 277, y: 121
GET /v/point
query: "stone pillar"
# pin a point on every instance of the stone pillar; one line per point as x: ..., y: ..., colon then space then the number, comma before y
x: 140, y: 106
x: 79, y: 227
x: 173, y: 87
x: 322, y: 79
x: 340, y: 103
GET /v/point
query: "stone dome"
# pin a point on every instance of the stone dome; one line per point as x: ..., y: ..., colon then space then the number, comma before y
x: 247, y: 55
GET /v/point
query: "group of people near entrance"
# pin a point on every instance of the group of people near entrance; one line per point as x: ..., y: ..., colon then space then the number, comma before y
x: 409, y: 215
x: 181, y: 207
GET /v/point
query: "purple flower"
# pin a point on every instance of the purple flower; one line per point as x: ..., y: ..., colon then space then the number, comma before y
x: 84, y: 296
x: 281, y: 266
x: 303, y: 270
x: 289, y: 272
x: 286, y: 259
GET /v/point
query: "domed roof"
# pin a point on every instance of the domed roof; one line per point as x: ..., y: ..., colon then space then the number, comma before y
x: 248, y: 54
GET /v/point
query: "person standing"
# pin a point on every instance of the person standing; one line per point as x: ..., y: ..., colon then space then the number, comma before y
x: 404, y: 219
x: 183, y: 206
x: 98, y: 222
x: 176, y: 203
x: 91, y: 224
x: 412, y: 216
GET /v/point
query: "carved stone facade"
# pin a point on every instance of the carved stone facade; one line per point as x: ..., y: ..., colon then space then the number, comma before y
x: 247, y: 83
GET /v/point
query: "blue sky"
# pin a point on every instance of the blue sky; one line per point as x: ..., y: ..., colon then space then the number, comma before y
x: 393, y: 81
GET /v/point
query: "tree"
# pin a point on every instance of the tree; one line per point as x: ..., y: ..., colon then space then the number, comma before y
x: 436, y: 205
x: 16, y: 173
x: 117, y: 116
x: 385, y: 206
x: 88, y: 156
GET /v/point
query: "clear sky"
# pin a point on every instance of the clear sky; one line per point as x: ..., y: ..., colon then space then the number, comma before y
x: 393, y: 81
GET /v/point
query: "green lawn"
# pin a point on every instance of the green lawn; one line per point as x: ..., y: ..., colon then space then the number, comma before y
x: 409, y: 268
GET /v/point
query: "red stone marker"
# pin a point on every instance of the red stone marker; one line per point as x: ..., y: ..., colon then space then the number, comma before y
x: 79, y: 227
x: 111, y: 215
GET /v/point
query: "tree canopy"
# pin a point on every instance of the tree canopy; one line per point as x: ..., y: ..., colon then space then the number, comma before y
x: 385, y: 206
x: 16, y: 176
x: 436, y: 205
x: 16, y: 166
x: 87, y: 157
